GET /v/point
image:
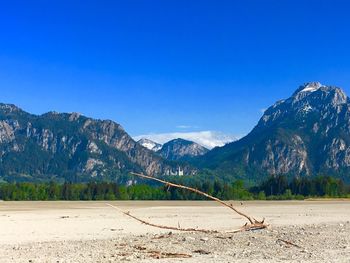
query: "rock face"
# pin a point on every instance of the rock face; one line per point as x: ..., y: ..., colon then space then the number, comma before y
x: 69, y: 147
x: 180, y: 149
x: 150, y: 145
x: 306, y: 134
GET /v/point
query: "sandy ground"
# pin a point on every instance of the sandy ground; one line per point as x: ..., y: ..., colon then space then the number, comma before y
x: 305, y: 231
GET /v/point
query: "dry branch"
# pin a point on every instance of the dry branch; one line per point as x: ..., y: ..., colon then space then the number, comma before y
x: 161, y: 226
x: 159, y: 255
x: 246, y: 227
x: 289, y: 243
x: 253, y: 224
x: 251, y: 220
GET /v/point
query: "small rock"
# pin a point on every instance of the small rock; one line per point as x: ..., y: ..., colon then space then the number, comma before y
x: 202, y: 252
x: 189, y: 239
x: 205, y: 239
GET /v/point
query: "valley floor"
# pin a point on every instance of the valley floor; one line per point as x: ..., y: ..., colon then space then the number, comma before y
x: 300, y: 231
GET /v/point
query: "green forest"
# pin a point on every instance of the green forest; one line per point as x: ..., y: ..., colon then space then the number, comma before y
x: 274, y: 188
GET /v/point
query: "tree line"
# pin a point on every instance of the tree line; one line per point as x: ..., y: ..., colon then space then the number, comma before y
x: 278, y: 187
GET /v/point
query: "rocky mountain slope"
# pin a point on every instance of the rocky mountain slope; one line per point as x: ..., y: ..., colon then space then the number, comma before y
x: 306, y: 134
x: 150, y: 145
x: 69, y: 147
x: 180, y: 149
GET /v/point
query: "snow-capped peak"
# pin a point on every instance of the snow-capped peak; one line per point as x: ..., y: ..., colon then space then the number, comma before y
x: 151, y: 145
x: 311, y: 87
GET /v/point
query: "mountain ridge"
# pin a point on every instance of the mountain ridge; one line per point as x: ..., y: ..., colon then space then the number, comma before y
x: 181, y: 149
x: 306, y: 134
x: 69, y: 146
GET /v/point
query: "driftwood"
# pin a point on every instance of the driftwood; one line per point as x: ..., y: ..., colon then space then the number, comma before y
x: 250, y: 219
x: 159, y: 255
x: 163, y: 227
x: 289, y: 243
x: 251, y: 226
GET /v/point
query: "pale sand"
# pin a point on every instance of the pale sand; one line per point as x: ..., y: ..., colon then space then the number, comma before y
x: 94, y: 232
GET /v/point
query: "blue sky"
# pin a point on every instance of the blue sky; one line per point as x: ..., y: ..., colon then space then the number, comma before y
x: 170, y: 66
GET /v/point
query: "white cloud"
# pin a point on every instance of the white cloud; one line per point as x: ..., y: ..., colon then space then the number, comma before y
x: 208, y: 139
x: 184, y: 127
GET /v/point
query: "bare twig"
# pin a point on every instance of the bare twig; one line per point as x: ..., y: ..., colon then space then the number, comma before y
x: 246, y: 227
x: 253, y: 224
x: 159, y: 255
x: 161, y: 226
x: 289, y: 243
x: 251, y: 220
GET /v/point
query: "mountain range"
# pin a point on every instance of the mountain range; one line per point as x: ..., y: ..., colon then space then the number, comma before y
x: 304, y: 135
x: 62, y: 146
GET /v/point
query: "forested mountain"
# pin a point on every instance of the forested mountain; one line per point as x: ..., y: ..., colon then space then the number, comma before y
x: 306, y: 134
x: 69, y: 147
